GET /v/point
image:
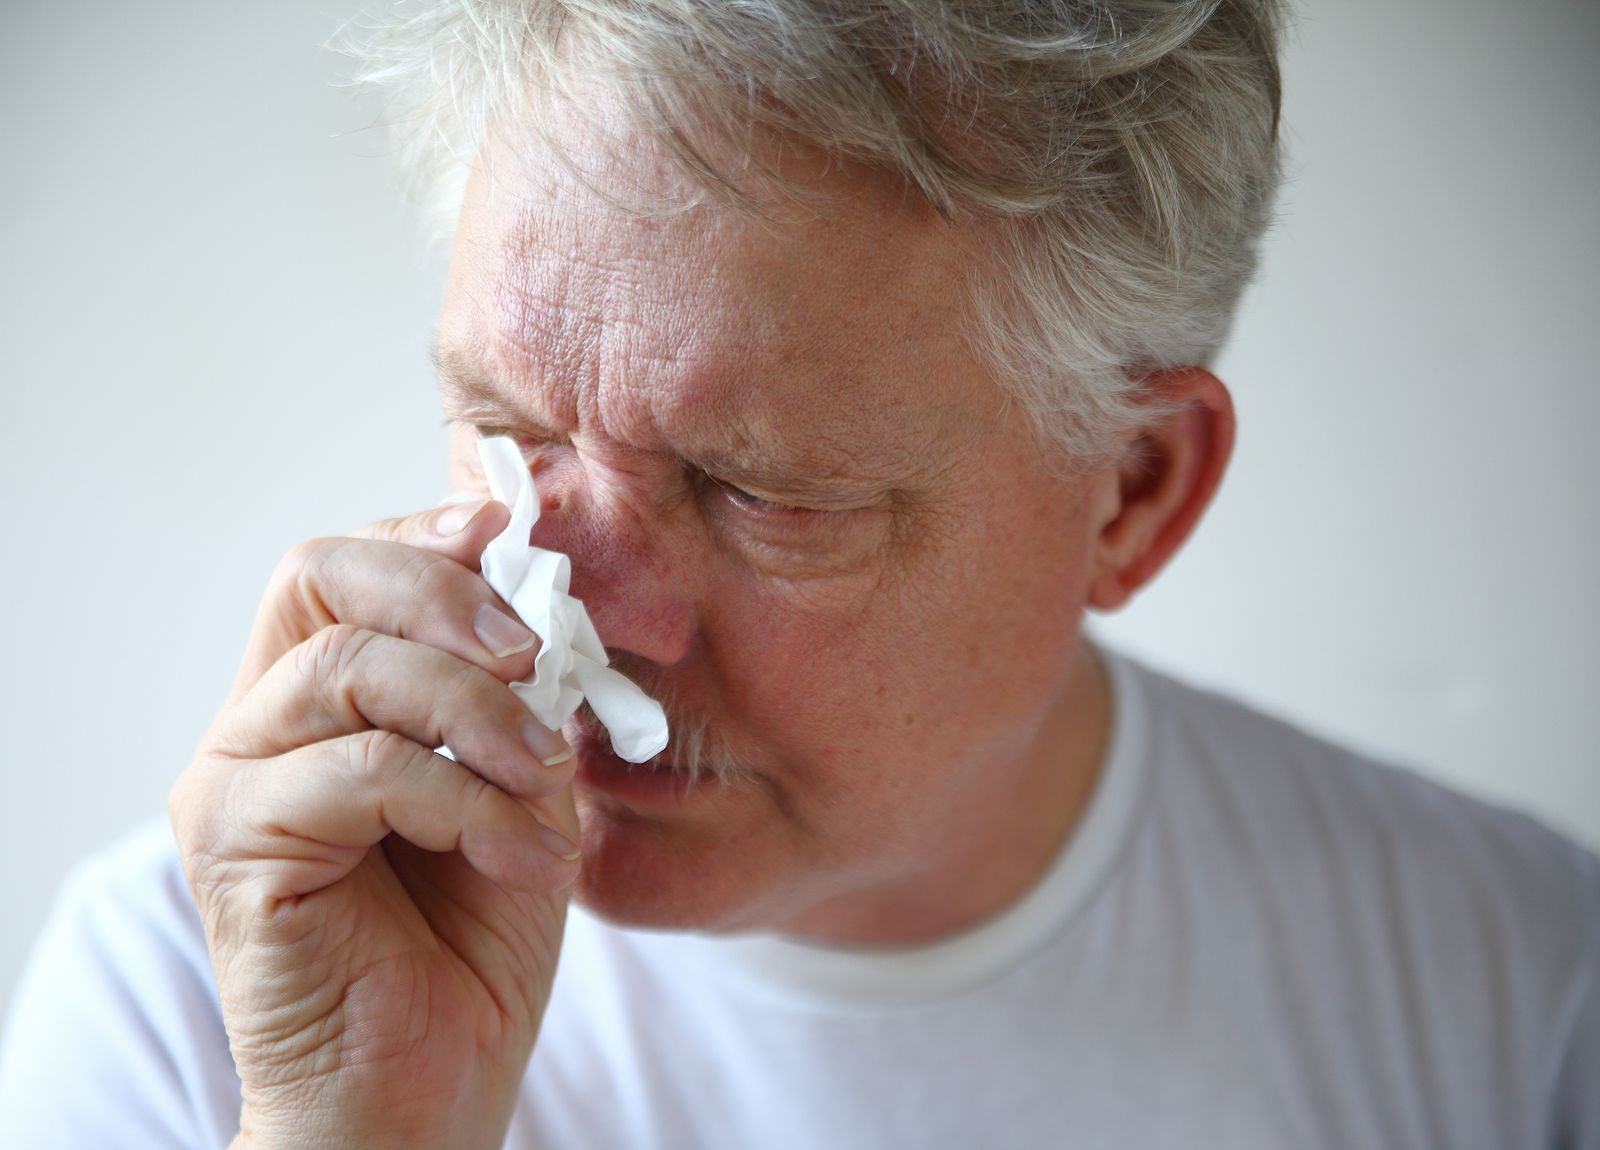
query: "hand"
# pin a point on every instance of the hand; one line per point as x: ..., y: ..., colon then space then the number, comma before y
x: 383, y: 923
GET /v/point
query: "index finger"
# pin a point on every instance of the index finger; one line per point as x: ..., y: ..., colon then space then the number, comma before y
x: 414, y: 577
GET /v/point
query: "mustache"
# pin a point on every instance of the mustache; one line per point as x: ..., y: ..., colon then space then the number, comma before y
x: 696, y: 747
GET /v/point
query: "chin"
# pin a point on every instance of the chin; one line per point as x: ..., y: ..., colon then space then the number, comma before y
x: 664, y: 875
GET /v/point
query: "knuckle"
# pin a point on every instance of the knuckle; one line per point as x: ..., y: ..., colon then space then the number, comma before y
x: 325, y: 577
x: 296, y: 582
x: 427, y: 576
x: 469, y: 690
x: 368, y: 755
x: 296, y: 562
x: 469, y: 683
x: 194, y: 811
x: 477, y: 795
x: 378, y: 758
x: 329, y: 656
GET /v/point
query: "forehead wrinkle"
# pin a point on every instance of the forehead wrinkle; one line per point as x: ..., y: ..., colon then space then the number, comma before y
x: 545, y: 326
x: 833, y: 450
x: 625, y: 368
x: 735, y: 390
x: 641, y: 344
x: 704, y: 334
x: 474, y: 389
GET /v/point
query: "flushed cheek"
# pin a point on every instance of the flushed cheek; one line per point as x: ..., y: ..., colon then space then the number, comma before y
x: 956, y: 659
x: 837, y: 697
x: 860, y: 770
x: 788, y: 672
x: 901, y: 729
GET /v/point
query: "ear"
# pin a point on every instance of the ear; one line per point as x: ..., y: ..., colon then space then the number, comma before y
x: 1151, y: 497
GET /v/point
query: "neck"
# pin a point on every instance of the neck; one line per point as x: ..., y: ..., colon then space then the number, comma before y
x: 1024, y: 823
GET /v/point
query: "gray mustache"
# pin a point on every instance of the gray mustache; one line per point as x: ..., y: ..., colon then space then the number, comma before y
x: 695, y: 747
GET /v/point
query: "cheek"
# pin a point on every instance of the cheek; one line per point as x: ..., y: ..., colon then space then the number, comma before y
x: 940, y: 663
x: 786, y: 658
x: 799, y: 687
x: 1018, y: 632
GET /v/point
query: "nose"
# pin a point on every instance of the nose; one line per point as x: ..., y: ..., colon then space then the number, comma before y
x: 632, y: 565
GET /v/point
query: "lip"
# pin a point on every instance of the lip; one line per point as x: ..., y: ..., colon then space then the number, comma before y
x: 656, y: 785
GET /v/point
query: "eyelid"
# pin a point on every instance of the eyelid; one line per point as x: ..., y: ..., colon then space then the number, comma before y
x: 529, y: 447
x: 775, y: 511
x: 752, y: 501
x: 490, y: 431
x: 525, y: 440
x: 814, y: 505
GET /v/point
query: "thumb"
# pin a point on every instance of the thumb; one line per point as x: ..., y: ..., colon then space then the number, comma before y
x: 459, y: 528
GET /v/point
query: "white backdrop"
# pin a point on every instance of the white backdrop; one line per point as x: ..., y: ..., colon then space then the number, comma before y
x: 213, y: 322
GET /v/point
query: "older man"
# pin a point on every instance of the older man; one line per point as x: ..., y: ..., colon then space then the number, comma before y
x: 855, y: 350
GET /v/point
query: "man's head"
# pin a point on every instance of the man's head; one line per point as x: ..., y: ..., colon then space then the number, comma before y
x: 850, y: 348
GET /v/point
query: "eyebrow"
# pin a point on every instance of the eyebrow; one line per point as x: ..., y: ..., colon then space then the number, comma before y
x: 468, y: 395
x: 463, y: 387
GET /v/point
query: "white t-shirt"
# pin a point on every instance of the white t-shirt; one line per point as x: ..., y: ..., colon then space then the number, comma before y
x: 1253, y: 939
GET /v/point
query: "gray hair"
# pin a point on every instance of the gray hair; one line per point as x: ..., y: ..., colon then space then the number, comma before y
x: 1122, y: 154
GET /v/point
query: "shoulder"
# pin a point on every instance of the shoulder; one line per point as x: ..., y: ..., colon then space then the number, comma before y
x: 1445, y: 948
x: 1302, y: 796
x: 118, y: 1002
x: 1386, y: 868
x: 1298, y: 797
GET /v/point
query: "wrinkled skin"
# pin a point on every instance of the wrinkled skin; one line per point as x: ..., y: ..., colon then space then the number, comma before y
x: 383, y: 923
x: 793, y: 498
x: 797, y: 506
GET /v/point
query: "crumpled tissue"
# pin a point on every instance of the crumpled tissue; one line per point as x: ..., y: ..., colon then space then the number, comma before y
x: 571, y: 664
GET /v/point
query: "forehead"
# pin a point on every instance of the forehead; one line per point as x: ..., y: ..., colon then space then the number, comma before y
x: 663, y: 325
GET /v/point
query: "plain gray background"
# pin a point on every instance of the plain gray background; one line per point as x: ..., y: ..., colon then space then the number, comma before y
x: 214, y: 316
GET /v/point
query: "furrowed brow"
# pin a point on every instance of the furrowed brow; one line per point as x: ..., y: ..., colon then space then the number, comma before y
x: 467, y: 395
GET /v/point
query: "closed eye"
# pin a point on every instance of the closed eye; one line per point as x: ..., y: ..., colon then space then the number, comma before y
x: 751, y: 501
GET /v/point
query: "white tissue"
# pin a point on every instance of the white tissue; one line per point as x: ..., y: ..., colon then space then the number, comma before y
x: 571, y: 664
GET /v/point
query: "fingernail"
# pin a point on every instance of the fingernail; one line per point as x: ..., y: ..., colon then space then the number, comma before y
x: 454, y: 519
x: 500, y: 633
x: 557, y: 844
x: 548, y: 746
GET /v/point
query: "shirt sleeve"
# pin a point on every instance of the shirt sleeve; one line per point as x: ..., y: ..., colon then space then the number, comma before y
x: 114, y: 1037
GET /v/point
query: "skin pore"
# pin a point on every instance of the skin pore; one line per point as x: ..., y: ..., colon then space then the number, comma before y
x: 799, y: 507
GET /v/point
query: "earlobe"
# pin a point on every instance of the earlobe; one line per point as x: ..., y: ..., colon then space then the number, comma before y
x: 1107, y: 593
x: 1165, y: 480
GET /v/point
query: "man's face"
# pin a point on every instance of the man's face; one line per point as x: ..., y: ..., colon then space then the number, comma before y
x: 796, y: 506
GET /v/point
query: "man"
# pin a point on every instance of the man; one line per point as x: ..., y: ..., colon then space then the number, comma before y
x: 855, y: 351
